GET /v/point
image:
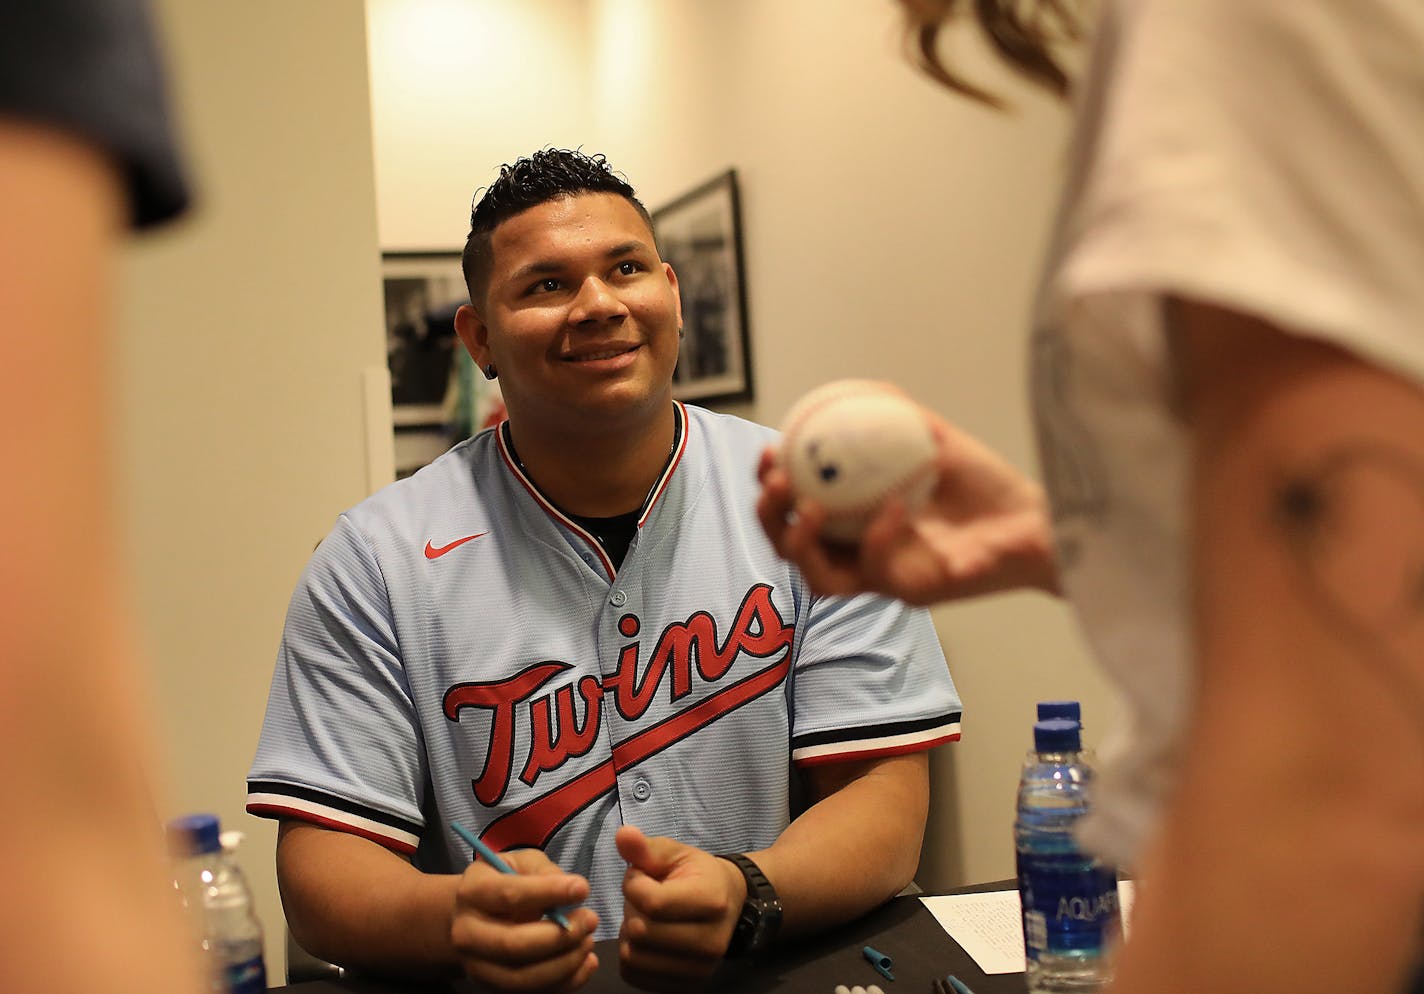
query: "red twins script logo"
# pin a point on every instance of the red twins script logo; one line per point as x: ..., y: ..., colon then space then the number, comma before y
x: 758, y: 631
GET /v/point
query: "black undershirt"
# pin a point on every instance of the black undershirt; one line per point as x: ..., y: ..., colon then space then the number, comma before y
x: 614, y: 534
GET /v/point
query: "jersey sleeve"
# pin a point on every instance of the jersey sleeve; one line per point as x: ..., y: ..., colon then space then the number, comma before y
x: 340, y: 743
x: 870, y: 680
x: 92, y: 68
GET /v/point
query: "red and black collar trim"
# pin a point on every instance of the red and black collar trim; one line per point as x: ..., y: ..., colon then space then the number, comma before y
x: 505, y: 440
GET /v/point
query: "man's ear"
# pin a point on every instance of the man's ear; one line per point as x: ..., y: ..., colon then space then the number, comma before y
x: 474, y: 335
x: 676, y: 292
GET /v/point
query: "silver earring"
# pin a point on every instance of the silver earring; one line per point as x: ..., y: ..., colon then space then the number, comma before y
x: 490, y: 372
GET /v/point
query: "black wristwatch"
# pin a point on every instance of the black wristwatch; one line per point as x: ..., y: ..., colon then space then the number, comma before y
x: 760, y: 919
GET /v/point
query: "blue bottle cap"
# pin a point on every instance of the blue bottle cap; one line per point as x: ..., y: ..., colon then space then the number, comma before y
x: 1070, y: 710
x: 1057, y: 735
x: 193, y: 834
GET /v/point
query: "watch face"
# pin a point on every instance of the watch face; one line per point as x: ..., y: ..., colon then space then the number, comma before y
x: 760, y: 917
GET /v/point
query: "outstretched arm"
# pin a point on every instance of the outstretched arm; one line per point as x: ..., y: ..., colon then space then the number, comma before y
x: 1301, y: 798
x: 354, y: 902
x: 985, y: 529
x: 854, y: 848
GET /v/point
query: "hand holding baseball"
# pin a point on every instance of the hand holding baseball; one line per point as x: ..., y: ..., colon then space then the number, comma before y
x: 852, y: 444
x: 983, y: 527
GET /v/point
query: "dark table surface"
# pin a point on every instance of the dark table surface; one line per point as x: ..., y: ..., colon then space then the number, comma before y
x: 903, y: 930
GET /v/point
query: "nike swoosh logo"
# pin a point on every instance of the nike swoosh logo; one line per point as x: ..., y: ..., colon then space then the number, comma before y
x: 432, y: 552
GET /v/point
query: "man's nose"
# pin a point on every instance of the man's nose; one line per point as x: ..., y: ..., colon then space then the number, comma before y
x: 596, y: 301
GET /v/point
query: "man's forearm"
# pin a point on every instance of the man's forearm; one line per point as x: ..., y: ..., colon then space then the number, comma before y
x: 853, y: 849
x: 353, y: 902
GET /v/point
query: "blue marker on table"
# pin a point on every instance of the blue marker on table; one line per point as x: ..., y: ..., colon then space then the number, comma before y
x: 492, y: 858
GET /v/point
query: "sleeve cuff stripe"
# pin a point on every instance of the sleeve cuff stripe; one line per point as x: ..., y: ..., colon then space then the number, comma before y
x: 885, y: 745
x: 287, y: 806
x: 866, y: 733
x: 347, y: 809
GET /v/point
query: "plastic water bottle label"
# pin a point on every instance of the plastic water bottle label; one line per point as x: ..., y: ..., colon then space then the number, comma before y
x: 1070, y: 904
x: 247, y: 977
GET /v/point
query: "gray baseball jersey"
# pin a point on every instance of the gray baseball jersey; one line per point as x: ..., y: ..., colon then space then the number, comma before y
x: 460, y: 649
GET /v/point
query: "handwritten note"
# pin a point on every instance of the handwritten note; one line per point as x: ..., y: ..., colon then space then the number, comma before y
x: 989, y: 927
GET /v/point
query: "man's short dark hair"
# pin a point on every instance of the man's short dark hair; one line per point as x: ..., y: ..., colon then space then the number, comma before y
x: 548, y: 174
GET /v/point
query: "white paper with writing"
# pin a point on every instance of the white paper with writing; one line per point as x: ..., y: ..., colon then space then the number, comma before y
x: 989, y: 927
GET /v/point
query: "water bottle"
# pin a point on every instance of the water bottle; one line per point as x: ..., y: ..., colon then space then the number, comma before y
x: 235, y: 927
x: 211, y: 886
x: 1070, y: 904
x: 193, y: 847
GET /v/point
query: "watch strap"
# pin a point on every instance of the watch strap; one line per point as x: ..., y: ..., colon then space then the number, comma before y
x: 760, y: 917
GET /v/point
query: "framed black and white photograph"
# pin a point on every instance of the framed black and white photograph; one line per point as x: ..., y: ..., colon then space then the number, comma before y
x: 700, y: 235
x: 436, y: 398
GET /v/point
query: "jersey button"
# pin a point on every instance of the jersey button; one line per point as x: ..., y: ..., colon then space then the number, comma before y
x: 618, y: 599
x: 642, y: 790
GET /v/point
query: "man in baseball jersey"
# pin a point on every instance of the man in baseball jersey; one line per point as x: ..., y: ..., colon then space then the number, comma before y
x: 570, y: 635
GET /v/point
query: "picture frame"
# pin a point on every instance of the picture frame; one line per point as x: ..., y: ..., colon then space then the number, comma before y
x: 700, y: 235
x: 436, y: 398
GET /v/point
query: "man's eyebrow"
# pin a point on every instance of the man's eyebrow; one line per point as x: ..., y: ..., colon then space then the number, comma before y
x: 539, y: 267
x: 628, y: 248
x: 546, y: 267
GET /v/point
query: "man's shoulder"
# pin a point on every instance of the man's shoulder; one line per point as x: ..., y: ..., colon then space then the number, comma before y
x: 453, y: 485
x: 729, y: 429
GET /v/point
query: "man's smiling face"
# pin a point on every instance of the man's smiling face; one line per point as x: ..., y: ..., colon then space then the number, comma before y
x: 580, y: 316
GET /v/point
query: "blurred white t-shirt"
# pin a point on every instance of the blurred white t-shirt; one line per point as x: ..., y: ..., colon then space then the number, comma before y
x: 1265, y: 156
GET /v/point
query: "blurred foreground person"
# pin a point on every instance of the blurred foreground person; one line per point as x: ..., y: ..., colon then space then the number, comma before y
x: 1227, y: 370
x: 85, y: 153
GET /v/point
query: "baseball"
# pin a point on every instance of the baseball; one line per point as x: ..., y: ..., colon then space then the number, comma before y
x: 850, y: 444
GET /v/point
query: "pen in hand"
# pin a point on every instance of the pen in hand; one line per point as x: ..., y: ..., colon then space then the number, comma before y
x: 493, y: 859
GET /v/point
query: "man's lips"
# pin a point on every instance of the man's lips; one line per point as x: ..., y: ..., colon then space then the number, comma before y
x: 607, y: 352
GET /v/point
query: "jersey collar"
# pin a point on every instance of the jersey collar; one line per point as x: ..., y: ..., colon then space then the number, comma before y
x: 505, y: 440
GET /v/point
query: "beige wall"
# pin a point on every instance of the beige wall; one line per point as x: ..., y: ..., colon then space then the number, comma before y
x: 891, y: 230
x: 459, y: 86
x: 246, y: 333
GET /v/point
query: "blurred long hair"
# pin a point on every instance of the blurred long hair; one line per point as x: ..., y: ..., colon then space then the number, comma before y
x: 1024, y: 33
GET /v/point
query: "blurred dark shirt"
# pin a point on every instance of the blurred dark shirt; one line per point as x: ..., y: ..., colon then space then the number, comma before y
x: 91, y: 67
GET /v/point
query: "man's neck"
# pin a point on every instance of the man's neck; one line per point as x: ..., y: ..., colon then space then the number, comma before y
x: 596, y: 475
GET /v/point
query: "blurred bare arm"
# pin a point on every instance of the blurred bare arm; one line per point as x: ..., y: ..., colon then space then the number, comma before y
x: 77, y: 756
x: 1303, y: 787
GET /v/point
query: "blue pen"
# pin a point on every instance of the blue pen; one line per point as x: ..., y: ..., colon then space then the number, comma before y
x: 960, y: 987
x: 492, y: 858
